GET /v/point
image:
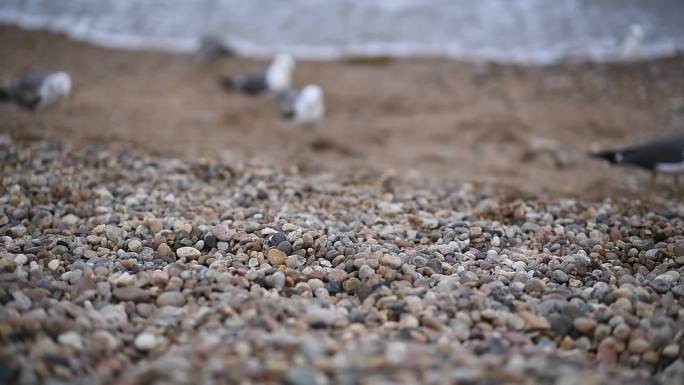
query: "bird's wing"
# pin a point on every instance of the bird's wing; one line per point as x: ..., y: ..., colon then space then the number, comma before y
x: 26, y: 91
x: 254, y: 84
x: 32, y: 81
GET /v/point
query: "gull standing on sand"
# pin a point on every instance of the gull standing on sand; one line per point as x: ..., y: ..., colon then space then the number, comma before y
x: 275, y: 80
x: 631, y: 47
x: 302, y: 108
x: 664, y: 156
x: 37, y: 90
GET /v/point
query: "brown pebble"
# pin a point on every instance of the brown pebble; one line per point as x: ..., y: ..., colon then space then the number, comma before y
x: 163, y: 250
x: 615, y: 234
x: 585, y: 325
x: 276, y: 257
x: 533, y: 321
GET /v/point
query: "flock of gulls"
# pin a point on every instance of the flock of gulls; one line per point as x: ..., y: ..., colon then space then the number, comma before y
x: 306, y: 107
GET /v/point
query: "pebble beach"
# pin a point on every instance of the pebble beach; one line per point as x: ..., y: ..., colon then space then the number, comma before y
x: 121, y: 268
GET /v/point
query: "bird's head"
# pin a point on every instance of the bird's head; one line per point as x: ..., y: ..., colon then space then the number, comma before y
x: 284, y: 62
x: 310, y: 108
x: 312, y: 93
x: 59, y: 83
x: 279, y: 74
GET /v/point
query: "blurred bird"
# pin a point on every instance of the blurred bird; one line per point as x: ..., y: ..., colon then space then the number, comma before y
x: 302, y: 108
x: 38, y: 90
x: 275, y: 80
x: 631, y: 47
x: 211, y: 47
x: 664, y: 156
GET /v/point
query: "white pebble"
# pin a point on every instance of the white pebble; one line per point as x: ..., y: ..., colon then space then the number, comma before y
x: 188, y: 252
x: 21, y: 259
x: 289, y: 227
x: 519, y: 266
x: 268, y: 231
x: 53, y: 265
x: 71, y: 339
x: 124, y: 279
x: 146, y: 342
x: 315, y: 284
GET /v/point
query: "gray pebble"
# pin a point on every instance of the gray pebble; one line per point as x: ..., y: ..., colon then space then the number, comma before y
x: 171, y: 298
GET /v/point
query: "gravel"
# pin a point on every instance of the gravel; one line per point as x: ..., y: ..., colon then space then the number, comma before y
x: 129, y: 269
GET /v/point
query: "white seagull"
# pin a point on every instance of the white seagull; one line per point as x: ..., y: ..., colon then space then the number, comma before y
x: 631, y: 47
x: 275, y: 80
x: 37, y: 90
x: 302, y: 108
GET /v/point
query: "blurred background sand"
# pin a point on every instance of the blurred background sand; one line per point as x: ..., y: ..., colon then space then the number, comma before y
x: 521, y: 128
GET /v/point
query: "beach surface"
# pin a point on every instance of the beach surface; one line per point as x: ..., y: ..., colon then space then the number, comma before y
x: 442, y: 225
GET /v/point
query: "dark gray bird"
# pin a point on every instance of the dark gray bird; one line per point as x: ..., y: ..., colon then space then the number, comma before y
x: 661, y: 156
x: 37, y: 90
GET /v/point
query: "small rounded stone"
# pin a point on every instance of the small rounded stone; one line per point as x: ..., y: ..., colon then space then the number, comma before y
x: 21, y: 259
x: 584, y: 325
x: 639, y: 346
x: 276, y: 257
x: 534, y: 285
x: 53, y: 264
x: 171, y: 298
x: 146, y: 342
x: 188, y: 252
x: 135, y: 246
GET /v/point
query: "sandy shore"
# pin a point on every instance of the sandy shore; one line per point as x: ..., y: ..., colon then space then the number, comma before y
x: 156, y: 230
x: 448, y: 119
